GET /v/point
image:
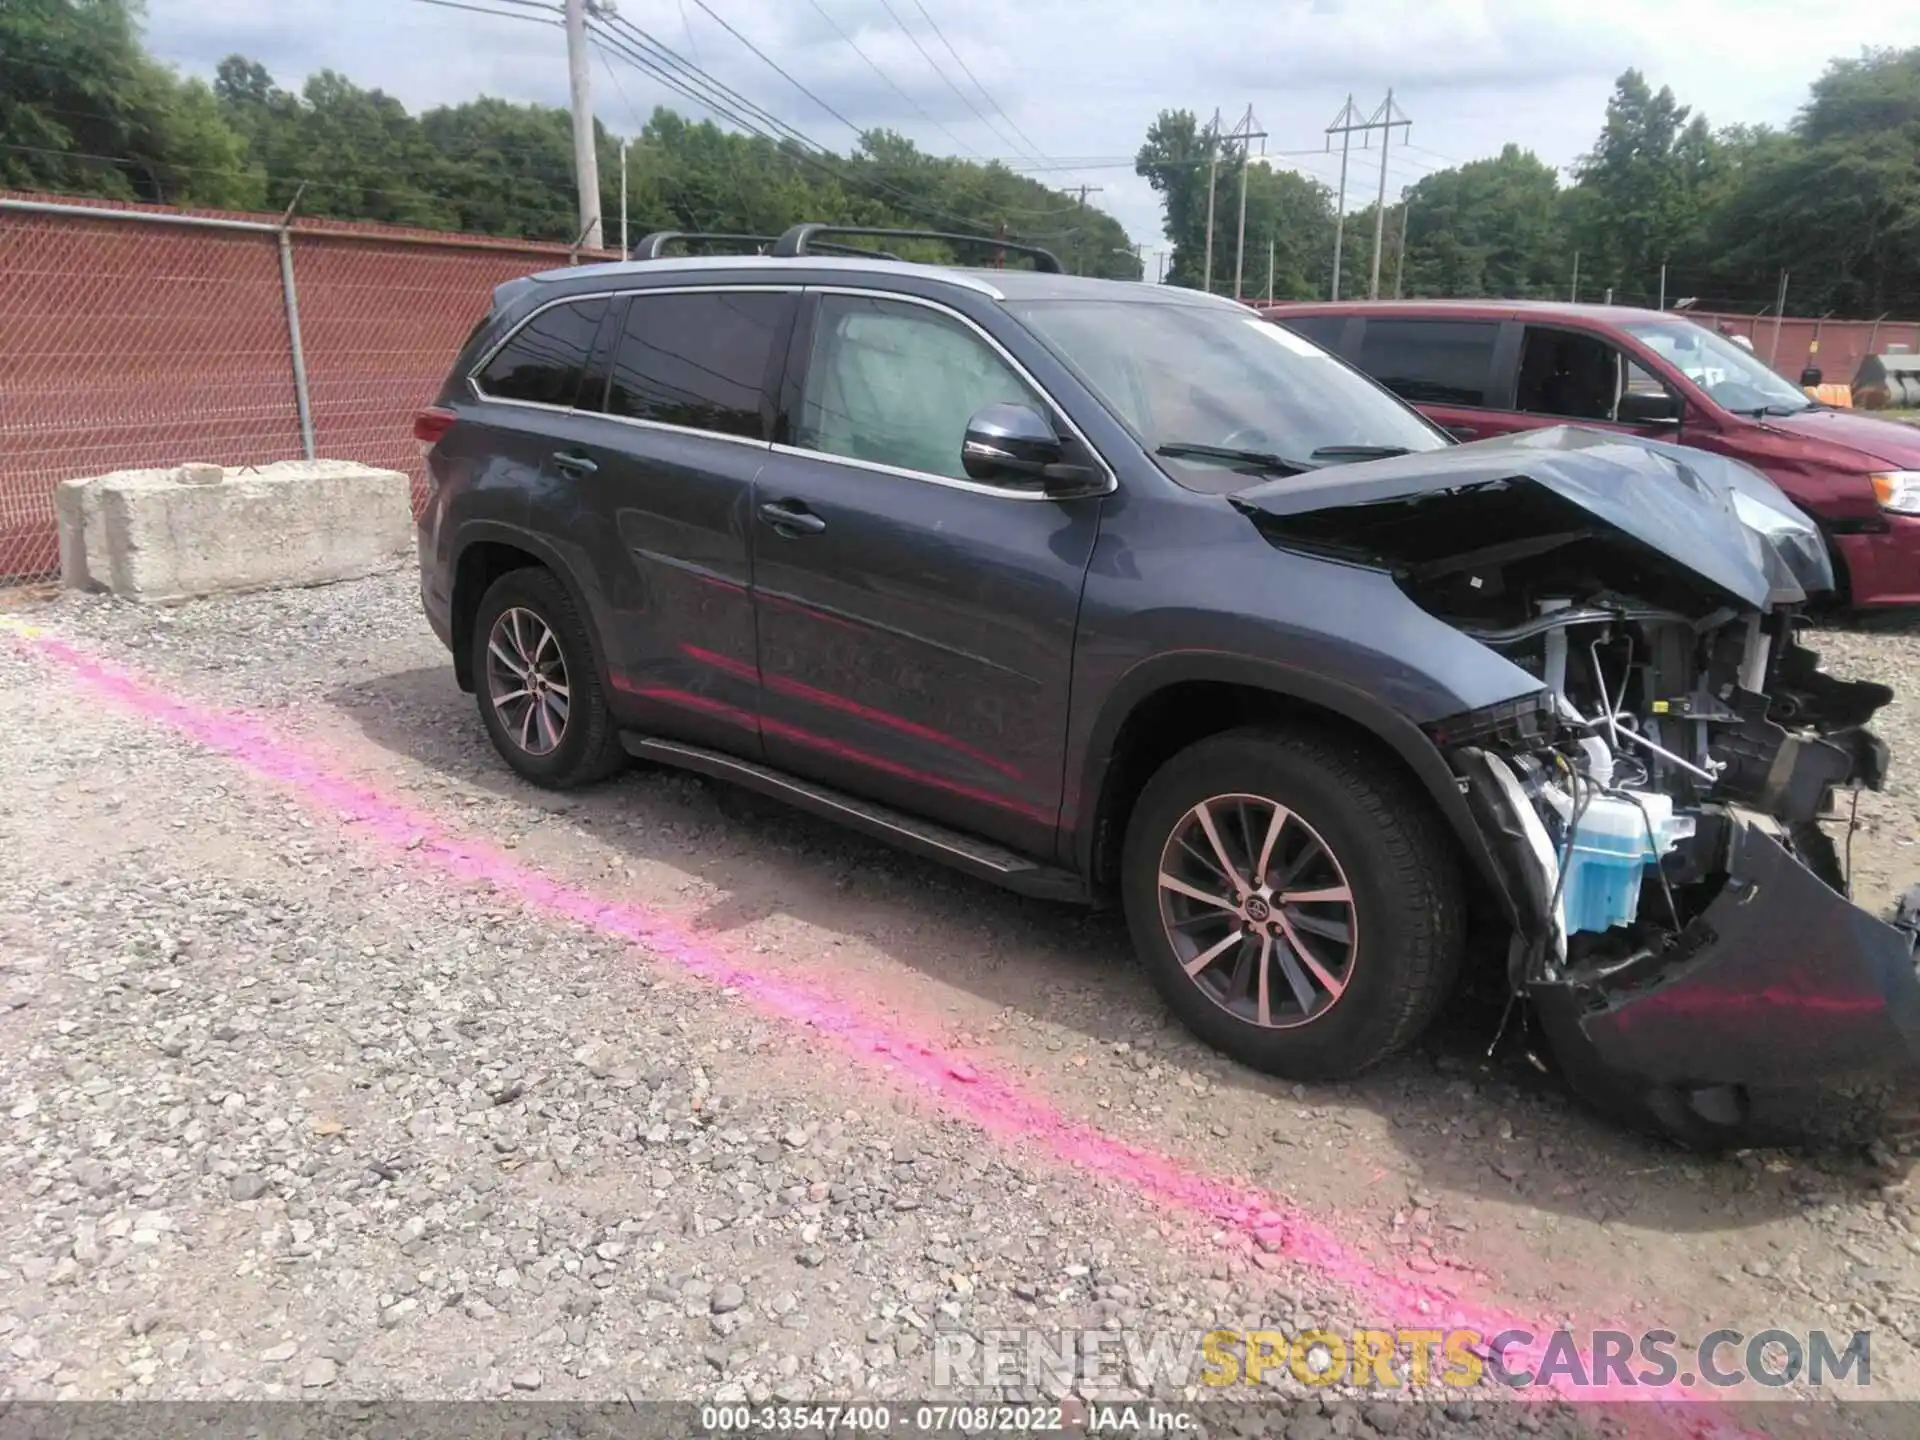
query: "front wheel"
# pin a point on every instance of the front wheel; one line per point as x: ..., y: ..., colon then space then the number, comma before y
x: 1294, y: 899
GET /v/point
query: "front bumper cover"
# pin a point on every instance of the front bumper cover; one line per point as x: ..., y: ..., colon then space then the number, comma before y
x: 1780, y: 982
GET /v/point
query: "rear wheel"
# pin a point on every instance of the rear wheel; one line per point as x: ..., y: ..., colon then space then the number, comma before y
x: 1294, y: 900
x: 538, y: 689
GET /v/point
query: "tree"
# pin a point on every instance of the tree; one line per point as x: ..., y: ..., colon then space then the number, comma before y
x: 1638, y: 203
x: 84, y: 111
x: 1489, y: 227
x: 1284, y: 207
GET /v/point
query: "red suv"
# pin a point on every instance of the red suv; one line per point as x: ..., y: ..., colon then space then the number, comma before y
x: 1485, y: 368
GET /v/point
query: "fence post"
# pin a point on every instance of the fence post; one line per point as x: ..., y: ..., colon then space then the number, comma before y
x: 292, y: 299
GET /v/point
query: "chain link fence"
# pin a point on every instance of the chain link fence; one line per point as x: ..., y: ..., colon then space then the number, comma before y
x: 145, y: 336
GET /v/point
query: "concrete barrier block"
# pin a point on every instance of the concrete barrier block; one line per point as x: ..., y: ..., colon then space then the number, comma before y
x: 160, y: 535
x: 76, y: 508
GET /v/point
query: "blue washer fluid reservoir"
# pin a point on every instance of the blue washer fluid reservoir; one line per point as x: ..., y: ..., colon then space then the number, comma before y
x: 1610, y: 853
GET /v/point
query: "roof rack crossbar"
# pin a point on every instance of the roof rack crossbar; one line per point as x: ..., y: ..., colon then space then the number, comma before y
x: 654, y: 246
x: 800, y: 240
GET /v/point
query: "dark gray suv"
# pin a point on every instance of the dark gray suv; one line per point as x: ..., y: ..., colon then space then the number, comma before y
x: 1098, y: 589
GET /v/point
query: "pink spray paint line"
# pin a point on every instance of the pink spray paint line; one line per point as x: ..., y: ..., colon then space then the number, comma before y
x: 994, y: 1104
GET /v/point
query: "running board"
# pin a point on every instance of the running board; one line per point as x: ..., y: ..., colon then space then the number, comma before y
x: 936, y: 842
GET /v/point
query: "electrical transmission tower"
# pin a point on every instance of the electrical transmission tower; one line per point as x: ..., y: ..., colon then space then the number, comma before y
x: 1246, y: 135
x: 1346, y: 125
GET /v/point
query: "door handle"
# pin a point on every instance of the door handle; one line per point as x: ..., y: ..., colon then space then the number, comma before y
x: 790, y: 517
x: 573, y: 464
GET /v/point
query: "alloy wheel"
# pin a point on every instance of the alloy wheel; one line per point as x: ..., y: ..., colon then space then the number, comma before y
x: 1258, y: 910
x: 527, y: 680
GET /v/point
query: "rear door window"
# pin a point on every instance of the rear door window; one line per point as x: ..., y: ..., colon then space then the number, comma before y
x: 699, y: 360
x: 1432, y: 362
x: 544, y: 361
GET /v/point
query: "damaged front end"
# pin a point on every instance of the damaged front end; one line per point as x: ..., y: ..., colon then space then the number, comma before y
x: 1682, y: 926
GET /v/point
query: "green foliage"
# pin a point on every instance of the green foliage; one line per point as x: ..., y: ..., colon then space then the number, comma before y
x: 83, y: 110
x: 79, y: 85
x: 1289, y: 217
x: 1834, y: 201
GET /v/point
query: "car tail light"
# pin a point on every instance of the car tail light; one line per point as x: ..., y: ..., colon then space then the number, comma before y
x: 430, y: 424
x: 428, y: 427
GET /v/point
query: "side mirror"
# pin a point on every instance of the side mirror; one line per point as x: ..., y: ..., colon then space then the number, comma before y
x: 1648, y: 407
x: 1010, y: 442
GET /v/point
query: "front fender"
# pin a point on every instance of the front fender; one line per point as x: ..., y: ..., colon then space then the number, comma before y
x: 1399, y: 735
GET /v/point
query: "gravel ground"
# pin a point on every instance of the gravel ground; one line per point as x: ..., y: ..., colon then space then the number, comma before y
x: 292, y: 1112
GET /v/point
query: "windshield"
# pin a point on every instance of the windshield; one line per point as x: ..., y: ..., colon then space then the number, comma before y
x: 1205, y: 377
x: 1732, y: 376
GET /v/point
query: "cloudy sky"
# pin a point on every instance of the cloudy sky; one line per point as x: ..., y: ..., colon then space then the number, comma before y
x: 1075, y: 83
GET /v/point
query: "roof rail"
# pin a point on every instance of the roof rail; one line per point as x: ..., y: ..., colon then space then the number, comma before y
x: 654, y: 246
x: 800, y: 241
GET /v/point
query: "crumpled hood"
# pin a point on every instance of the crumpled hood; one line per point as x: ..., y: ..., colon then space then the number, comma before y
x: 1719, y: 518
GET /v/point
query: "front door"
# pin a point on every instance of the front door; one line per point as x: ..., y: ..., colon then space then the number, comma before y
x: 1576, y: 377
x: 916, y: 627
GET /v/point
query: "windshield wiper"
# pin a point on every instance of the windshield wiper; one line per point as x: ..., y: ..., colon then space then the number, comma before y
x: 1227, y: 455
x: 1761, y: 412
x: 1359, y: 452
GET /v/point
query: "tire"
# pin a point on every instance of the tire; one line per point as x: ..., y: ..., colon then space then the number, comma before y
x: 1378, y: 840
x: 557, y: 744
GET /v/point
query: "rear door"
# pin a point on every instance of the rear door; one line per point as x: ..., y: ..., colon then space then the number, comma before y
x: 656, y: 500
x: 916, y: 626
x: 1459, y: 372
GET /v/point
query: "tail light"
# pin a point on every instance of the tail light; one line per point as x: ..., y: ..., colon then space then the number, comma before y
x: 428, y: 426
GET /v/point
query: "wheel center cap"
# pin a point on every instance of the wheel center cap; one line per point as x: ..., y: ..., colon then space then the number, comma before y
x: 1257, y: 908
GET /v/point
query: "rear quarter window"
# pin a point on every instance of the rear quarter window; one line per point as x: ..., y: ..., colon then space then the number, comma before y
x: 1432, y: 362
x: 544, y: 360
x: 1322, y: 330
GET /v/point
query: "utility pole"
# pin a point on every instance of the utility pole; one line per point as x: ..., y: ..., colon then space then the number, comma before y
x: 1246, y: 133
x: 1383, y: 118
x: 1213, y: 174
x: 1663, y: 285
x: 1080, y: 259
x: 586, y: 164
x: 1344, y: 124
x: 1160, y: 267
x: 1400, y: 260
x: 624, y: 250
x: 1779, y: 319
x: 1573, y: 295
x: 1270, y: 269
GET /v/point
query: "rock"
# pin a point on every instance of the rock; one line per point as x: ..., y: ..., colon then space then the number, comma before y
x: 249, y: 1186
x: 526, y: 1380
x: 319, y: 1373
x: 279, y: 1354
x: 728, y: 1298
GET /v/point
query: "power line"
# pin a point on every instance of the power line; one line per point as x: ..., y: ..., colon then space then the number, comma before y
x: 940, y: 35
x: 964, y: 98
x: 674, y: 71
x: 774, y: 66
x: 871, y: 65
x: 501, y: 14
